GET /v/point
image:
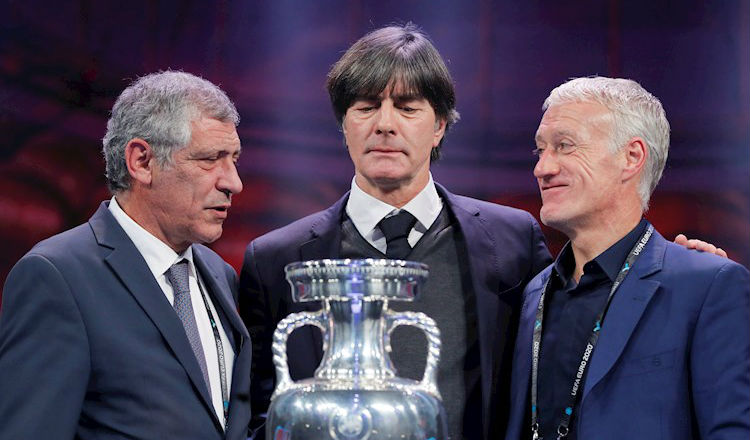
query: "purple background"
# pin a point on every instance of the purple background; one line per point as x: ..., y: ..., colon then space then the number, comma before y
x: 62, y: 64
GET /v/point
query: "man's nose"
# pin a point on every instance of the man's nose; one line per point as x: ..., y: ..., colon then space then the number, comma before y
x: 546, y: 164
x: 386, y: 119
x: 229, y: 181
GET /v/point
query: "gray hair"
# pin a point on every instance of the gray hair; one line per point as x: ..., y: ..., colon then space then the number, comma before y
x: 159, y: 108
x: 394, y: 54
x: 635, y: 112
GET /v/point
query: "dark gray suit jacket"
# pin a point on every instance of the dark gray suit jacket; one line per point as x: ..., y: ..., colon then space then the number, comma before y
x: 91, y: 348
x: 505, y: 248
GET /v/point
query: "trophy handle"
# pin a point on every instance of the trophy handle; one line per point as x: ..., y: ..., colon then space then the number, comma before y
x: 430, y: 329
x: 285, y: 327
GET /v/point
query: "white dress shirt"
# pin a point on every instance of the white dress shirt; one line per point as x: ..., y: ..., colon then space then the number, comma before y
x: 159, y: 258
x: 366, y: 211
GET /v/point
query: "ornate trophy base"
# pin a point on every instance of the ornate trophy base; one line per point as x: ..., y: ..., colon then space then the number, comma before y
x: 313, y: 414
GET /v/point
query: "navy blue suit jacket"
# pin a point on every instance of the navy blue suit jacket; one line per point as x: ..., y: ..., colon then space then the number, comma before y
x: 90, y: 347
x: 505, y: 248
x: 673, y: 357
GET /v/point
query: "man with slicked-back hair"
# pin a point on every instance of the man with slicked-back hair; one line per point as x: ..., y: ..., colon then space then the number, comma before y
x: 393, y: 98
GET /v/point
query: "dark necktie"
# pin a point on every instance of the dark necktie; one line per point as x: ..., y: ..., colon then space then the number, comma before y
x: 396, y: 231
x: 178, y: 277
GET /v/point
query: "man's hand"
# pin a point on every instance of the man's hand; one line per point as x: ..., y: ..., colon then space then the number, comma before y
x: 699, y: 245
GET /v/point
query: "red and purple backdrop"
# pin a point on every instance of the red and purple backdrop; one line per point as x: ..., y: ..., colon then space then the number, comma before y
x: 62, y: 64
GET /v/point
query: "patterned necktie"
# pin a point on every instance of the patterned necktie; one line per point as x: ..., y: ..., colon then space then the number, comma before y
x: 178, y: 277
x: 396, y: 230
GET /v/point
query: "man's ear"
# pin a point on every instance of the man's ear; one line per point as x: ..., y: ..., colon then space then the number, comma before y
x: 635, y: 153
x: 440, y: 125
x: 342, y: 127
x: 139, y: 159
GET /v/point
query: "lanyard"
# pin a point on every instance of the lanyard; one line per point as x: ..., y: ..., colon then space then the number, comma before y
x: 220, y: 356
x: 562, y: 428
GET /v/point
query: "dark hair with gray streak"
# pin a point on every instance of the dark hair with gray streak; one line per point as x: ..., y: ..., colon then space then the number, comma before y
x: 159, y: 108
x: 393, y: 54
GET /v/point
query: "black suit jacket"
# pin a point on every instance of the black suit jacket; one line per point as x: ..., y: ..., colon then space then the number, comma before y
x: 505, y: 248
x: 91, y: 348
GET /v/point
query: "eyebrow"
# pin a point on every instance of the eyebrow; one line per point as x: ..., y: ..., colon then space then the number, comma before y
x: 404, y: 97
x: 556, y: 134
x: 210, y: 150
x: 399, y: 97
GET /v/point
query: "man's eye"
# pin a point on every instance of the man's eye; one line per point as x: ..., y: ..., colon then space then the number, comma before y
x: 537, y: 151
x: 565, y: 148
x: 408, y: 109
x: 210, y: 160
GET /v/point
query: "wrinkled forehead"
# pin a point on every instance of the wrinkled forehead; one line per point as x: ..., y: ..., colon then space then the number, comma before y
x: 584, y: 112
x: 575, y: 117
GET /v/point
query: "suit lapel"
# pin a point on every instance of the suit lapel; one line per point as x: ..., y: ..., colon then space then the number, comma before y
x: 484, y: 275
x: 324, y: 243
x: 325, y: 234
x: 522, y: 358
x: 628, y: 305
x: 220, y: 293
x: 131, y: 269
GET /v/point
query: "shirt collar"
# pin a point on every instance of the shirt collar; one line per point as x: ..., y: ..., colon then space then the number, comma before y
x: 564, y: 264
x: 610, y: 261
x: 366, y: 211
x: 159, y: 257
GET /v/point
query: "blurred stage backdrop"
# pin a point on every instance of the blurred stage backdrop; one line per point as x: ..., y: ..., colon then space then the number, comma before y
x: 62, y: 64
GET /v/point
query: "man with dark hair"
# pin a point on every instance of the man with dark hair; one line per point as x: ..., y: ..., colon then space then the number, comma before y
x: 126, y: 326
x: 394, y: 100
x: 625, y: 336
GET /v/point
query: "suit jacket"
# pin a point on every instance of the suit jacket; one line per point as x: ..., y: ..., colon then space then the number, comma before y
x: 505, y: 248
x: 673, y: 356
x: 91, y: 348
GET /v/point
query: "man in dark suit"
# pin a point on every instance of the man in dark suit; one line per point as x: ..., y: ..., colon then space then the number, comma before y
x: 625, y: 336
x: 125, y: 326
x: 394, y: 100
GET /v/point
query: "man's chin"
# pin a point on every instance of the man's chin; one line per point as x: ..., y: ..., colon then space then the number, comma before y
x: 390, y: 181
x: 209, y: 236
x: 551, y: 219
x: 387, y: 181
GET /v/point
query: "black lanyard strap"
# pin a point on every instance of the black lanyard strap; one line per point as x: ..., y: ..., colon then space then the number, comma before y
x: 220, y: 356
x: 563, y: 427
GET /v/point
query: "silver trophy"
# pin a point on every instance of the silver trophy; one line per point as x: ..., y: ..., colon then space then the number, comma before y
x: 355, y: 394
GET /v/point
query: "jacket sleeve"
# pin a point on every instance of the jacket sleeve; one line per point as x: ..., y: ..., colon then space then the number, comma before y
x: 44, y: 353
x: 255, y: 309
x: 720, y: 357
x: 540, y: 253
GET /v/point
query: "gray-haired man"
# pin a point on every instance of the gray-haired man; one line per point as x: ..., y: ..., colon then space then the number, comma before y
x: 626, y: 335
x: 126, y: 326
